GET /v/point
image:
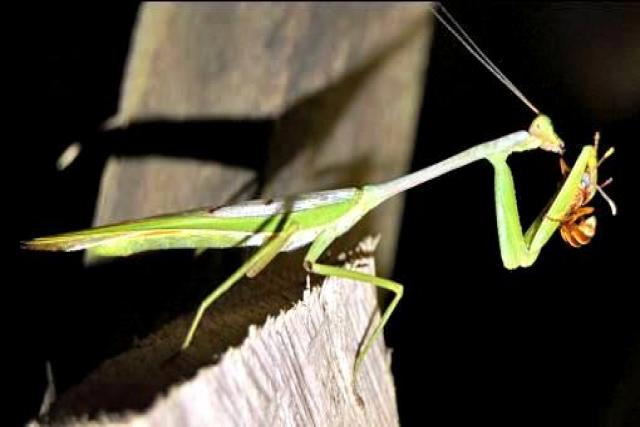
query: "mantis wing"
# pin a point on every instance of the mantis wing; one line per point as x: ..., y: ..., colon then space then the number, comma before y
x: 249, y: 223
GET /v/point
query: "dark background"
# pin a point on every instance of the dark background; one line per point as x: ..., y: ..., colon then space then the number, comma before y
x: 472, y: 342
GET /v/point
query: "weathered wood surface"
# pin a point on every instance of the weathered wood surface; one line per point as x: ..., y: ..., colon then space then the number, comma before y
x: 296, y: 369
x: 251, y: 60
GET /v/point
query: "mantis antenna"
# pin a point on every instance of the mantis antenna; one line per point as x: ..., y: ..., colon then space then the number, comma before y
x: 452, y: 25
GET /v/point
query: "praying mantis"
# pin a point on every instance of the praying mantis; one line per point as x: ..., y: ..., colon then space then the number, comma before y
x: 317, y: 219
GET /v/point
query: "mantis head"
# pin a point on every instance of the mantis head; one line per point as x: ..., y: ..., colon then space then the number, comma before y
x: 542, y: 132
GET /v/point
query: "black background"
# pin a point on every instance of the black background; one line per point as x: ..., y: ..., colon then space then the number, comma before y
x: 472, y: 342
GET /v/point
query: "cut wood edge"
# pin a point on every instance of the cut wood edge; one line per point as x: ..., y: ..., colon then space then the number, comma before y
x: 296, y: 369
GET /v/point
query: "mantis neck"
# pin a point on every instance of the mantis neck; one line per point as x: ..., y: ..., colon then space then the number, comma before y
x: 506, y: 144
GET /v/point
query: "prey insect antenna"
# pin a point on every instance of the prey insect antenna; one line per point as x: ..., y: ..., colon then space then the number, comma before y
x: 612, y: 205
x: 473, y: 48
x: 608, y: 154
x: 606, y: 182
x: 596, y: 144
x: 599, y: 187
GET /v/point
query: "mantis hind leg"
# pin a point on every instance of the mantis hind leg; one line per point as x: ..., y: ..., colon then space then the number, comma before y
x: 396, y: 288
x: 312, y: 266
x: 251, y: 268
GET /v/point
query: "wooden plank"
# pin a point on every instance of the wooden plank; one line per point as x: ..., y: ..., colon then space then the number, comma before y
x: 197, y: 60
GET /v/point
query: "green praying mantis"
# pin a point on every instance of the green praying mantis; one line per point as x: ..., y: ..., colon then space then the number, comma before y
x: 318, y: 219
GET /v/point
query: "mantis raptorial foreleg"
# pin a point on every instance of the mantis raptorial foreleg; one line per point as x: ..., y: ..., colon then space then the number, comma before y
x: 513, y: 247
x: 518, y: 250
x: 250, y: 268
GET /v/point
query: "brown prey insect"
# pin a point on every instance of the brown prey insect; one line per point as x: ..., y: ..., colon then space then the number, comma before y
x: 578, y: 226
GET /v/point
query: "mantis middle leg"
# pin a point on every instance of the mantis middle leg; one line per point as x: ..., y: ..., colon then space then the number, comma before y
x: 250, y: 268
